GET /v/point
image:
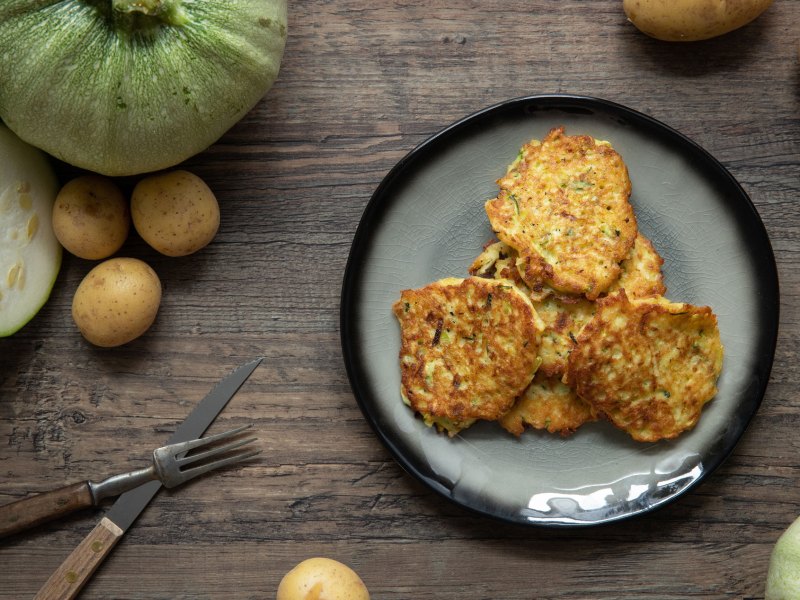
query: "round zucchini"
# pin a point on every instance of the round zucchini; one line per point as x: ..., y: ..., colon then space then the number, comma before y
x: 123, y: 87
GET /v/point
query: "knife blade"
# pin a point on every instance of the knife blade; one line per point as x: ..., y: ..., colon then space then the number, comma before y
x: 68, y: 580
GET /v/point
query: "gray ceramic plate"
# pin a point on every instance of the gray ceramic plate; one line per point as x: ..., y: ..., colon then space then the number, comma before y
x: 426, y: 221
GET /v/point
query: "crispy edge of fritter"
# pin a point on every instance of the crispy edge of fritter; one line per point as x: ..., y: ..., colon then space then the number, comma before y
x: 641, y: 275
x: 644, y: 419
x: 548, y: 404
x: 498, y: 260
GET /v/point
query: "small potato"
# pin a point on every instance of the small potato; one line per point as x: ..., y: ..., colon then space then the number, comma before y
x: 91, y: 217
x: 175, y: 212
x: 322, y: 579
x: 116, y: 302
x: 691, y: 20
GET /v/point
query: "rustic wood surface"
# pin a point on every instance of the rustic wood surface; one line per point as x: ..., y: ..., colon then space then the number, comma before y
x: 361, y: 84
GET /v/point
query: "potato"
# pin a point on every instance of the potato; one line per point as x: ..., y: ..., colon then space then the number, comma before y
x: 91, y: 217
x: 691, y: 20
x: 116, y: 302
x: 175, y: 212
x: 322, y: 579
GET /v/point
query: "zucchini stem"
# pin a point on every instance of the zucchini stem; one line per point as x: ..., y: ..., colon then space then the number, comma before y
x: 168, y: 11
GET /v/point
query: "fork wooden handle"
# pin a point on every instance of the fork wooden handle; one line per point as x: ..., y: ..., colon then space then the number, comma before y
x: 76, y: 570
x: 37, y: 509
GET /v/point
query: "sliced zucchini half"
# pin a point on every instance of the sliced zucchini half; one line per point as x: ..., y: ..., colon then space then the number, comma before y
x: 30, y: 255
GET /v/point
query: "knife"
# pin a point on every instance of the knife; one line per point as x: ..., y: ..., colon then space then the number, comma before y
x: 75, y: 571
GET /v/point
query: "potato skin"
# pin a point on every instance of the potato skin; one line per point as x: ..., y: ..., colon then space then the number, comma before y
x: 91, y: 218
x: 116, y: 302
x: 322, y: 579
x: 175, y: 212
x: 691, y: 20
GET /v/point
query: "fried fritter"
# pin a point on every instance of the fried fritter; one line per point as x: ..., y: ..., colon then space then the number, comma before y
x: 469, y: 347
x: 641, y: 274
x: 648, y: 365
x: 498, y: 260
x: 548, y: 404
x: 564, y: 316
x: 582, y: 295
x: 563, y: 206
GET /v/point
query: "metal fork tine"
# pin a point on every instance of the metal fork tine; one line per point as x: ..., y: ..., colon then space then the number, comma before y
x: 169, y: 460
x: 195, y: 471
x: 216, y: 451
x: 210, y: 439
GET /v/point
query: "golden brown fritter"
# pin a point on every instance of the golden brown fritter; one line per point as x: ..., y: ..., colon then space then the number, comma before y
x: 563, y: 206
x: 648, y: 365
x: 548, y: 404
x: 565, y: 315
x: 641, y: 274
x: 469, y: 347
x: 564, y: 318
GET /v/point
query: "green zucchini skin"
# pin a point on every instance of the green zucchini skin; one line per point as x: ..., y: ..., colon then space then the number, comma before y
x: 108, y: 88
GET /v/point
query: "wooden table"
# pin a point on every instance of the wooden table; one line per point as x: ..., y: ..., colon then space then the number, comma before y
x: 362, y: 83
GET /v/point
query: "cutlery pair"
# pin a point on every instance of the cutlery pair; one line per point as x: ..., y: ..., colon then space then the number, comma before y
x: 172, y: 465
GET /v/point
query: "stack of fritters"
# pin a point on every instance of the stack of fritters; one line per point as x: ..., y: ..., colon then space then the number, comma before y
x: 606, y: 342
x: 551, y: 404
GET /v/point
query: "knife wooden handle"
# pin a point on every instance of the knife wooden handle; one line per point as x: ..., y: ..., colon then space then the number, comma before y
x: 37, y: 509
x: 79, y: 566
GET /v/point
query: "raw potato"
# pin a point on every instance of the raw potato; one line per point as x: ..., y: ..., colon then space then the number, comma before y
x: 176, y: 212
x: 116, y: 302
x: 322, y: 579
x: 91, y: 218
x: 691, y: 20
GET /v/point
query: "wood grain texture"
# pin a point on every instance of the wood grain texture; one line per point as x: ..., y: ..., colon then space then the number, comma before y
x: 40, y: 508
x: 72, y: 575
x: 362, y: 84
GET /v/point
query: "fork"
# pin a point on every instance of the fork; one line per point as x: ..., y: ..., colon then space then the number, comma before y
x: 172, y: 465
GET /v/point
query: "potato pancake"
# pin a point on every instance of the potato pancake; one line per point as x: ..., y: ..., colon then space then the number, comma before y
x: 584, y: 331
x: 641, y: 274
x: 563, y: 206
x: 498, y: 261
x: 548, y: 404
x: 469, y: 347
x: 648, y: 365
x: 564, y: 316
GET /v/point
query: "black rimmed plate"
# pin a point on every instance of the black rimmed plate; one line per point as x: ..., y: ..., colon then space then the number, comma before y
x: 426, y: 221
